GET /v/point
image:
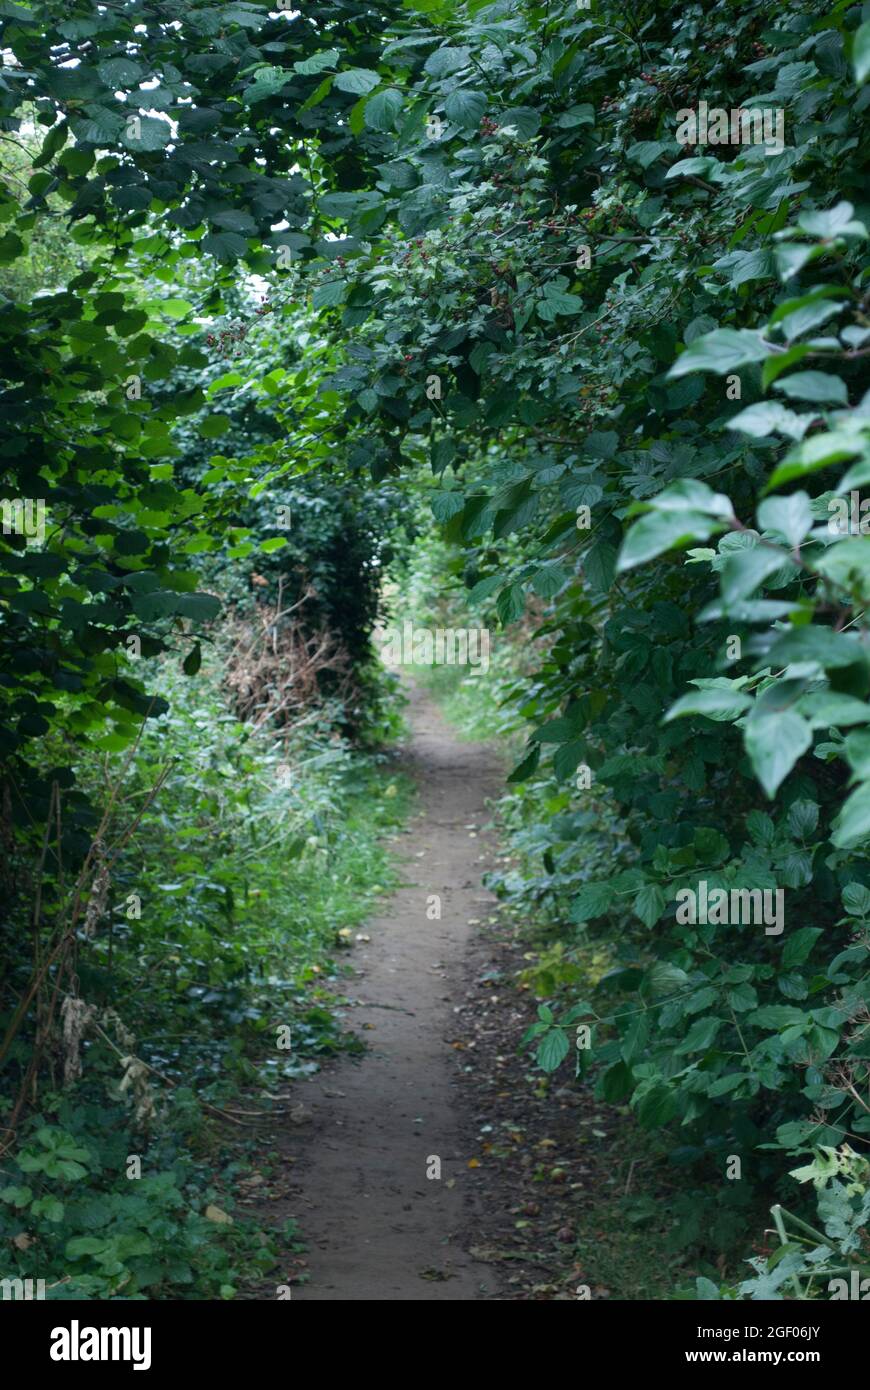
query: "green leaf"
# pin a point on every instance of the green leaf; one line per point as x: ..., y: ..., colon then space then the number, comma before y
x: 815, y: 642
x: 174, y: 308
x: 646, y: 152
x: 722, y: 351
x: 847, y: 563
x: 447, y: 504
x: 774, y: 742
x: 769, y: 417
x: 310, y: 67
x: 525, y: 120
x: 200, y: 607
x: 593, y: 900
x: 120, y: 73
x: 154, y: 135
x: 446, y: 60
x: 722, y: 704
x: 834, y: 446
x: 836, y: 221
x: 659, y: 531
x: 814, y: 386
x: 775, y: 366
x: 700, y: 1036
x: 829, y: 708
x: 744, y: 570
x: 327, y: 295
x: 790, y: 517
x: 616, y: 1083
x: 649, y: 904
x: 382, y: 109
x: 268, y: 82
x: 549, y: 579
x: 798, y: 946
x: 225, y: 246
x: 213, y: 426
x: 665, y: 978
x: 555, y: 302
x: 54, y: 141
x: 359, y: 81
x: 657, y: 1107
x: 851, y: 827
x: 528, y: 765
x: 484, y: 588
x: 861, y: 52
x: 856, y: 900
x: 552, y: 1049
x: 465, y: 107
x: 193, y: 660
x: 511, y: 604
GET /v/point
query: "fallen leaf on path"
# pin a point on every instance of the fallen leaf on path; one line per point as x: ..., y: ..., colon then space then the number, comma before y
x: 213, y: 1213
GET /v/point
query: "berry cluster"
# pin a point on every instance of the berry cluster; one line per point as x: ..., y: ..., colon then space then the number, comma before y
x: 229, y: 340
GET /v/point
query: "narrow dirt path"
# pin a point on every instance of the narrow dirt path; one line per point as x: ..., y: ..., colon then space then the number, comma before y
x: 377, y: 1227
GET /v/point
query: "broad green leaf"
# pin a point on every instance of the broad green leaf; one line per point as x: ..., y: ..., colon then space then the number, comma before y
x: 309, y: 67
x: 359, y: 81
x: 447, y: 504
x: 553, y: 1049
x: 791, y: 517
x: 724, y: 705
x: 465, y: 107
x: 383, y: 108
x: 774, y: 743
x: 744, y: 570
x: 446, y: 60
x: 649, y: 904
x: 722, y: 351
x: 851, y: 827
x: 769, y: 417
x: 660, y: 531
x: 593, y: 900
x: 820, y: 451
x: 814, y: 386
x: 861, y: 52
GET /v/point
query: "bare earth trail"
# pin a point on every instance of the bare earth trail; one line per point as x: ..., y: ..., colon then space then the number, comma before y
x: 376, y: 1227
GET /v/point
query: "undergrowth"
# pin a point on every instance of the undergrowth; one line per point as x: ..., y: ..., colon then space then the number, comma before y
x: 209, y: 981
